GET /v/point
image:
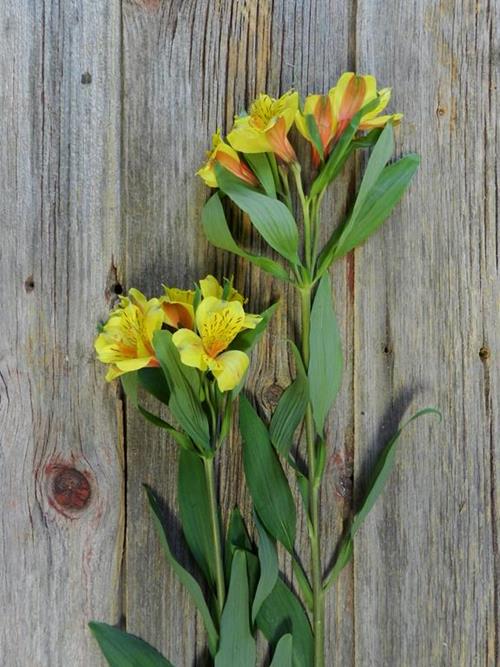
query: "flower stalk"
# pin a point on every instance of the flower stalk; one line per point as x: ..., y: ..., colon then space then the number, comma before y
x: 220, y: 585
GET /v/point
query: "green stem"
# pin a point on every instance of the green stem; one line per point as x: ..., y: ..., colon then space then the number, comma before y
x: 216, y: 533
x: 313, y: 484
x: 308, y: 248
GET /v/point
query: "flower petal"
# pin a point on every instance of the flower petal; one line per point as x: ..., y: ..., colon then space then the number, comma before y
x: 190, y: 348
x: 229, y: 369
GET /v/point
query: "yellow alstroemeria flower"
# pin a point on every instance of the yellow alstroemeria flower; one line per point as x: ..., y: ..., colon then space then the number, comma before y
x: 265, y: 129
x: 351, y: 94
x: 210, y: 286
x: 334, y: 112
x: 218, y: 322
x: 177, y: 306
x: 228, y: 158
x: 320, y: 107
x: 125, y: 341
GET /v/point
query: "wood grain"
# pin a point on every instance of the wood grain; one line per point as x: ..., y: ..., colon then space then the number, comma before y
x: 427, y: 298
x: 61, y: 522
x: 107, y: 109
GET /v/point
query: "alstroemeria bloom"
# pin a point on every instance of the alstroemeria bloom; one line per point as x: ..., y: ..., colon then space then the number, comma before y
x: 178, y: 308
x: 228, y: 158
x: 351, y: 94
x: 125, y: 341
x: 334, y: 112
x: 265, y: 129
x: 210, y: 286
x: 320, y: 108
x: 218, y: 322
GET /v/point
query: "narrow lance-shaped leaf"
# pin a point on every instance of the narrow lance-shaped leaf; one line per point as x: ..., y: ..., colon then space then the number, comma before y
x: 290, y: 409
x: 270, y: 217
x: 266, y: 480
x: 377, y: 207
x: 262, y: 169
x: 183, y: 575
x: 282, y: 613
x: 122, y: 649
x: 283, y: 653
x: 379, y: 203
x: 184, y: 383
x: 268, y: 561
x: 326, y: 359
x: 194, y: 509
x: 218, y: 234
x: 130, y: 383
x: 237, y: 646
x: 380, y: 475
x: 187, y: 580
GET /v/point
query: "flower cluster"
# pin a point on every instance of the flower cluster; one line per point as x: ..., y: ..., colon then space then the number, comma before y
x: 322, y: 118
x: 205, y: 321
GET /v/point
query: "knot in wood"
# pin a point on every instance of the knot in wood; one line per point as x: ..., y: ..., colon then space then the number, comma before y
x: 271, y: 395
x: 71, y: 489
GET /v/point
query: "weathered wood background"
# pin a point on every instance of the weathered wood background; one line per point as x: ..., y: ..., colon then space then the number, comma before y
x: 106, y: 109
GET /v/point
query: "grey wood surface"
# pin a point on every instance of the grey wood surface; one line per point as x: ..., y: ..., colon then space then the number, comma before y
x: 106, y: 110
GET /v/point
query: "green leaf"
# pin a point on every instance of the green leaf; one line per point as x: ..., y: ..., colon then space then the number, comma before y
x: 326, y: 360
x: 382, y: 470
x: 340, y: 153
x: 378, y: 204
x: 237, y: 646
x: 270, y: 217
x: 124, y: 650
x: 266, y: 480
x: 130, y: 382
x: 194, y: 509
x: 154, y: 382
x: 283, y: 653
x: 268, y: 562
x: 378, y: 159
x: 291, y: 409
x: 262, y: 169
x: 237, y: 538
x: 282, y: 613
x: 218, y: 234
x: 313, y: 130
x: 184, y: 383
x: 183, y: 575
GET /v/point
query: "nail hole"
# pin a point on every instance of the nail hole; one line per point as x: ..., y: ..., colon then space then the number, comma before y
x: 117, y: 289
x: 484, y: 353
x: 29, y: 284
x: 86, y: 78
x: 388, y: 349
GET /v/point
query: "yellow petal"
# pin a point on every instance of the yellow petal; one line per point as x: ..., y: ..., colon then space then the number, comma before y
x: 251, y: 321
x: 128, y: 365
x: 207, y: 174
x: 190, y: 348
x: 290, y: 104
x: 247, y: 139
x: 384, y: 96
x: 229, y: 369
x: 219, y: 322
x: 381, y: 121
x: 210, y: 286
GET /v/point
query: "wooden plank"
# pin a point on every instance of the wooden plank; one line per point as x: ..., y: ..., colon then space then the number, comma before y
x: 426, y: 305
x: 187, y: 69
x: 61, y: 520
